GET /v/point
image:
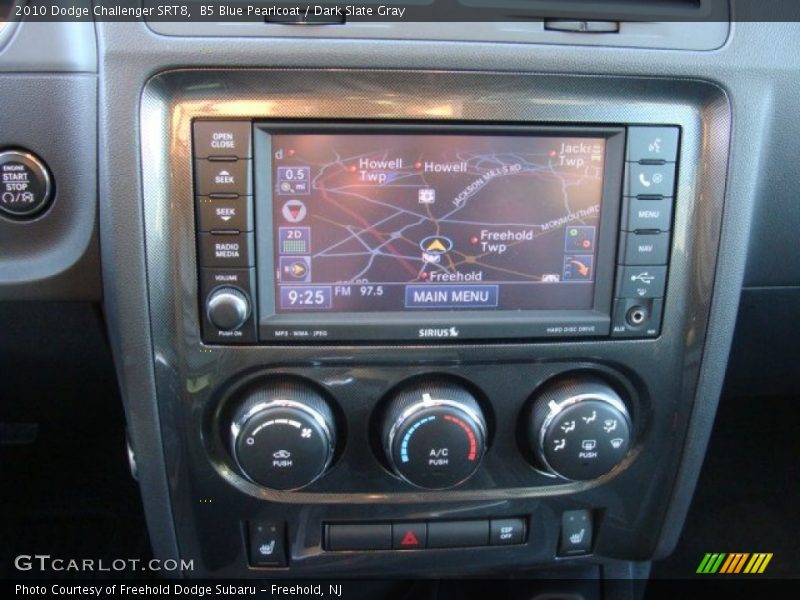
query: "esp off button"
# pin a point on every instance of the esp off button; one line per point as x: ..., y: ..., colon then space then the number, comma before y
x: 26, y: 187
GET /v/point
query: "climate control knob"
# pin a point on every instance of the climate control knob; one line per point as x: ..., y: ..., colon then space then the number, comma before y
x: 434, y: 434
x: 282, y: 435
x: 227, y: 308
x: 579, y: 428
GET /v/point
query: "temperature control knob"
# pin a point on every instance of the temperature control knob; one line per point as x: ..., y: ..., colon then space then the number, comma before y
x: 282, y: 436
x: 228, y: 308
x: 434, y: 434
x: 579, y: 428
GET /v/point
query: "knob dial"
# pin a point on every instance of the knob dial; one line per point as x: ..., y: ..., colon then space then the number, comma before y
x: 283, y: 436
x: 228, y: 308
x: 434, y: 435
x: 579, y: 428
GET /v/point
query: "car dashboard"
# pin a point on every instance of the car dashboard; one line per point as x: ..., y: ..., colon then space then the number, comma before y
x: 404, y: 299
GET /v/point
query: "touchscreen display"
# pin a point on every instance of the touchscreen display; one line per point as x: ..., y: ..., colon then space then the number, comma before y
x: 435, y: 222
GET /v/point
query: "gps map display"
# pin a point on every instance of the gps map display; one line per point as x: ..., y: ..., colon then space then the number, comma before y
x: 419, y: 222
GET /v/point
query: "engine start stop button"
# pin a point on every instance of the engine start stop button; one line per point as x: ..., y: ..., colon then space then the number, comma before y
x: 26, y: 187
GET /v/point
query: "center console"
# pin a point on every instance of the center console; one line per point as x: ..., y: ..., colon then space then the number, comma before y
x: 405, y: 320
x: 320, y: 232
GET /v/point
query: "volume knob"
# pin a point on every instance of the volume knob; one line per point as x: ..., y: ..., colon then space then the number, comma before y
x: 228, y: 308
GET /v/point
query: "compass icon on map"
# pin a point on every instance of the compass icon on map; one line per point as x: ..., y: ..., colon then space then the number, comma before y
x: 433, y: 247
x: 294, y: 211
x: 436, y: 244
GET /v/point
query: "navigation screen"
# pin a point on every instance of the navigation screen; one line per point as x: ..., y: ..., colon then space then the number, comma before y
x: 418, y: 222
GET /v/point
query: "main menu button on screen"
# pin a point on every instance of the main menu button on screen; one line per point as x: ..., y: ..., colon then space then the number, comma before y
x: 451, y: 296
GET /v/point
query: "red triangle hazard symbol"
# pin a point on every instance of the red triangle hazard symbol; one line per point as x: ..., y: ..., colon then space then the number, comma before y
x: 409, y: 539
x: 294, y: 211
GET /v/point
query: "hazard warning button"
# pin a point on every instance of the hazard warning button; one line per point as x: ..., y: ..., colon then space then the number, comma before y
x: 409, y: 536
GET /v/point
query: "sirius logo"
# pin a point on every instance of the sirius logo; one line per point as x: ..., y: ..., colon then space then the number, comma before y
x: 439, y: 333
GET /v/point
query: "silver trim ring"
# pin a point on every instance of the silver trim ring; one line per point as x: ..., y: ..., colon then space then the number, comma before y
x: 602, y: 396
x: 48, y: 183
x: 477, y: 422
x: 241, y: 422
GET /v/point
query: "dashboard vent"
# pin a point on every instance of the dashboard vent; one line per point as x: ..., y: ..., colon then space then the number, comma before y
x: 617, y: 10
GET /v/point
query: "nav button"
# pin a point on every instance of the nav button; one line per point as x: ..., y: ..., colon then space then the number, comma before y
x: 644, y: 248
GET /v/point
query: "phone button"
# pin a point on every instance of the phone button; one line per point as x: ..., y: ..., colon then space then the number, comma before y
x: 650, y: 180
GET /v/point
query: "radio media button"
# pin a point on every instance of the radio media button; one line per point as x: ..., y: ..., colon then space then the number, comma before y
x: 652, y: 143
x: 650, y: 180
x: 233, y: 214
x: 641, y: 282
x: 641, y: 214
x: 222, y: 177
x: 222, y: 139
x: 644, y: 248
x: 226, y: 250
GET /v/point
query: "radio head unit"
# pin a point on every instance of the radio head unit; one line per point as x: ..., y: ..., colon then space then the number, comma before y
x: 346, y: 232
x: 426, y: 232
